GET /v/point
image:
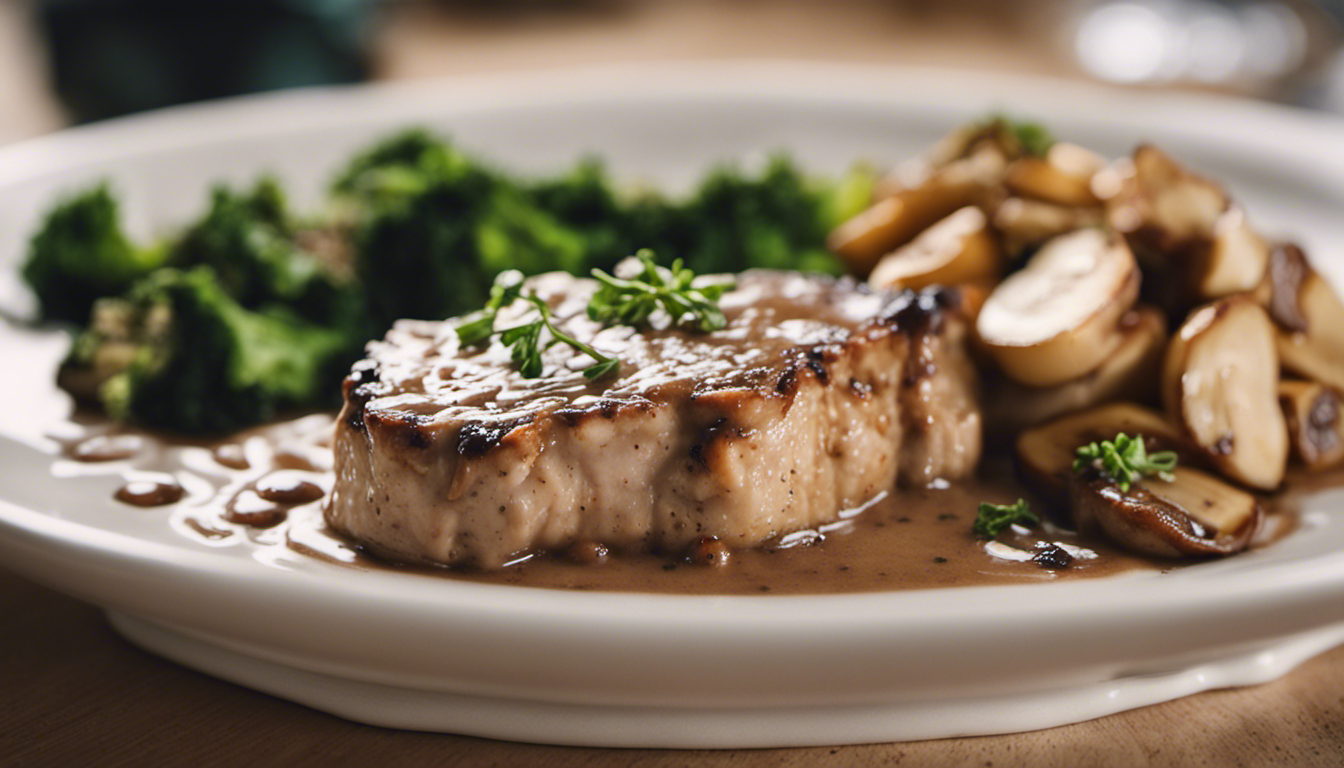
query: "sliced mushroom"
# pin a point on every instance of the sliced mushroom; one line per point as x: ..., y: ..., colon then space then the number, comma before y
x: 888, y: 224
x: 1233, y: 260
x: 1195, y: 514
x: 1176, y: 204
x: 1280, y: 293
x: 1045, y: 454
x: 1315, y: 426
x: 959, y: 249
x: 895, y: 220
x: 1185, y: 225
x: 1316, y: 351
x: 1130, y: 373
x: 1220, y: 383
x: 965, y: 168
x: 1057, y: 318
x: 916, y: 171
x: 1063, y: 176
x: 1024, y: 224
x: 983, y: 149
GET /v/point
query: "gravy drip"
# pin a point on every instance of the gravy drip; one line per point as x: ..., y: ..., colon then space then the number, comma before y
x: 270, y: 485
x: 151, y: 491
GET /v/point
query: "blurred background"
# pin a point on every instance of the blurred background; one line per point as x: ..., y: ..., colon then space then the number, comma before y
x: 72, y: 61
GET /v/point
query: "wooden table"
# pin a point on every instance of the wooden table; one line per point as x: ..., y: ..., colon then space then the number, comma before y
x: 74, y: 693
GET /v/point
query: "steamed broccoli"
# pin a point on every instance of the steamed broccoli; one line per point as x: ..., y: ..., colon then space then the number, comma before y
x: 178, y: 353
x: 81, y: 254
x: 403, y: 166
x: 248, y: 239
x: 251, y: 311
x: 585, y: 200
x: 737, y: 222
x: 433, y: 228
x: 416, y: 257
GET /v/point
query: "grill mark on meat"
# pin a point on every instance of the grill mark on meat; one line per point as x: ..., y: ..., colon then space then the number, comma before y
x: 475, y: 440
x: 707, y: 437
x: 606, y: 408
x: 360, y: 387
x: 416, y: 437
x: 816, y: 360
x: 922, y: 313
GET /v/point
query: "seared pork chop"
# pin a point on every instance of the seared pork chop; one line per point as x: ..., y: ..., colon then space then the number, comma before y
x: 818, y: 395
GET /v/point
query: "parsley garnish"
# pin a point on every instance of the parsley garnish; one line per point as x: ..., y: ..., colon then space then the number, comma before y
x: 991, y: 519
x: 1125, y: 460
x: 479, y: 326
x: 1033, y: 138
x: 618, y: 301
x: 528, y: 340
x: 631, y: 301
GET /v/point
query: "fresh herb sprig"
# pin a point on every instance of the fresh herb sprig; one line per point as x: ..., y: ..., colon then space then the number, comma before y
x: 992, y: 519
x: 632, y: 301
x: 1125, y: 460
x: 479, y: 326
x: 528, y: 340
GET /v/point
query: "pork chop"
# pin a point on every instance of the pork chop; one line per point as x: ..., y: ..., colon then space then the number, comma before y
x: 817, y: 395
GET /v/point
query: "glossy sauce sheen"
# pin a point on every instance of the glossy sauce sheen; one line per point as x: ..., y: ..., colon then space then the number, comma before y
x: 911, y: 539
x: 145, y: 492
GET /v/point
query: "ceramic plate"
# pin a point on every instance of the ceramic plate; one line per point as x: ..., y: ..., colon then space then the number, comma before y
x: 637, y: 670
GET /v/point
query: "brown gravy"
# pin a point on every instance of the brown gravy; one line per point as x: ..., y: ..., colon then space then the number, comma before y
x: 912, y: 539
x: 150, y: 492
x: 272, y: 483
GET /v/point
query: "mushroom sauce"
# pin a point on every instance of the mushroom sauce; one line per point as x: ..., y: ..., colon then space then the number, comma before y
x: 265, y: 488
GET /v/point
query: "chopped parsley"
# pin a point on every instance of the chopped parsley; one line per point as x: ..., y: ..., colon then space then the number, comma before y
x: 992, y: 519
x: 1125, y: 460
x: 632, y: 301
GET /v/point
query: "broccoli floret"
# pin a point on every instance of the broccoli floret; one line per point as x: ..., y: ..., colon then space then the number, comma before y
x: 434, y: 228
x: 736, y: 222
x: 585, y: 200
x: 403, y: 166
x: 417, y: 257
x: 179, y: 353
x: 81, y: 254
x: 513, y: 233
x: 249, y: 240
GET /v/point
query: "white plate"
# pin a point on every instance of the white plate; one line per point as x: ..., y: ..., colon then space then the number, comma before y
x: 637, y: 670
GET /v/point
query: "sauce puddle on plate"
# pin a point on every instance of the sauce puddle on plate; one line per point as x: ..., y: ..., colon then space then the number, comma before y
x: 269, y: 485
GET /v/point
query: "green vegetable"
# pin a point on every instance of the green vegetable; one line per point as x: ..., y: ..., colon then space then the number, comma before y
x: 992, y: 519
x: 398, y: 167
x: 631, y: 301
x: 434, y: 227
x: 479, y: 326
x: 849, y: 196
x: 528, y: 340
x: 248, y: 240
x: 1030, y: 138
x: 416, y: 256
x: 81, y: 254
x: 178, y: 353
x: 416, y: 228
x: 735, y: 222
x: 1125, y: 460
x: 585, y: 201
